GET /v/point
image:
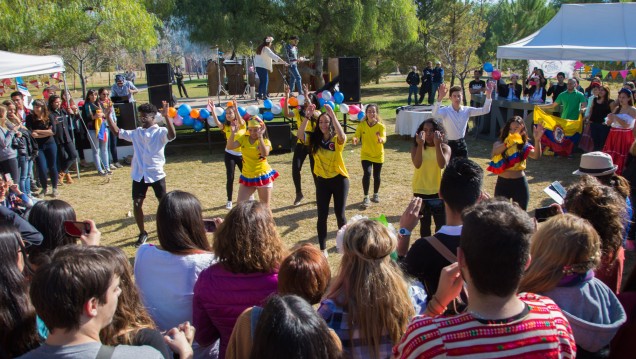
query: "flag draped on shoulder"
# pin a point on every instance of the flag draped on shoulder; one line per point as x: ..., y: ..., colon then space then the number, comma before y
x: 560, y: 134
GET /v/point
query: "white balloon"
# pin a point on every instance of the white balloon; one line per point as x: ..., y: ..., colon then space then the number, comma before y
x: 276, y: 109
x: 301, y: 100
x: 211, y: 122
x: 252, y: 110
x: 218, y: 111
x: 344, y: 108
x: 326, y: 95
x: 158, y: 118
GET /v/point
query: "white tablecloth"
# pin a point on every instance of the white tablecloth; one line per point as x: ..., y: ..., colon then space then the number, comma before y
x: 407, y: 122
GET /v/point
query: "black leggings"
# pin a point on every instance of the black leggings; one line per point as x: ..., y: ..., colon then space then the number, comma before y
x: 231, y: 161
x: 300, y: 153
x: 66, y: 156
x: 338, y: 187
x: 514, y: 188
x: 432, y: 206
x: 10, y: 166
x: 366, y: 176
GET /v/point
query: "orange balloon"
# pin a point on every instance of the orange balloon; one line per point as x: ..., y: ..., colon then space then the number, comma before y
x: 293, y: 102
x: 172, y: 112
x: 194, y: 113
x: 230, y: 104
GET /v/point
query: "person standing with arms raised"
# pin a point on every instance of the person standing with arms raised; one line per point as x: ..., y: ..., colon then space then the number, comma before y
x: 455, y: 117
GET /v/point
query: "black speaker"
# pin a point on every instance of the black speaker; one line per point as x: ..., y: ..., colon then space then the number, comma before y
x: 159, y: 85
x: 126, y: 114
x: 280, y: 136
x: 349, y: 78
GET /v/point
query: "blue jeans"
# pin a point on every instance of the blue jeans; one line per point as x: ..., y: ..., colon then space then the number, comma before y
x: 263, y: 76
x: 100, y: 152
x: 296, y: 80
x: 47, y: 159
x: 434, y: 92
x: 413, y: 90
x: 25, y: 164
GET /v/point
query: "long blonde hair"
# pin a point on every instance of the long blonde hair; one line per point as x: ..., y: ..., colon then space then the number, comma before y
x: 370, y: 286
x: 565, y: 244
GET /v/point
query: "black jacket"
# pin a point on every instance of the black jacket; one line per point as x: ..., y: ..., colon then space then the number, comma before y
x: 503, y: 90
x: 413, y: 78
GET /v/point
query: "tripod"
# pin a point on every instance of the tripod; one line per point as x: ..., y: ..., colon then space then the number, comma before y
x: 218, y: 73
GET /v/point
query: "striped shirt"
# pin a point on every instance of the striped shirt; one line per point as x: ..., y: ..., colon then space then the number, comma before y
x: 541, y: 331
x: 455, y: 122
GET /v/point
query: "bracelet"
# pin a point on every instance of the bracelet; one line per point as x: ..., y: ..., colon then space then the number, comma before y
x: 429, y: 307
x: 434, y: 298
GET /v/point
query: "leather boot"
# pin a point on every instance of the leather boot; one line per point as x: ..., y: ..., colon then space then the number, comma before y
x: 68, y: 178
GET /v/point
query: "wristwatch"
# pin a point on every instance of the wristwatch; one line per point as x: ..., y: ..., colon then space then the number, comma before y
x: 404, y: 232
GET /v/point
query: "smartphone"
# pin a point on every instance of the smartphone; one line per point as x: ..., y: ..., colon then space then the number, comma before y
x: 542, y: 214
x: 7, y: 177
x: 210, y: 225
x: 76, y: 229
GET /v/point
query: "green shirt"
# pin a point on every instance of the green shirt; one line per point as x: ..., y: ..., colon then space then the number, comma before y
x: 571, y: 102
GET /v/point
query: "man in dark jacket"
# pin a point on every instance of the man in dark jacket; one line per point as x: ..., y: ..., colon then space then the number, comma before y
x: 413, y: 79
x: 427, y: 83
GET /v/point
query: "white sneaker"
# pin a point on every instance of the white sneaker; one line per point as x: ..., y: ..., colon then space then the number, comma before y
x: 228, y: 205
x: 325, y: 253
x: 366, y: 203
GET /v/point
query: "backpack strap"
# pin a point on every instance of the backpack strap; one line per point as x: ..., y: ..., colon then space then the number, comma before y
x: 105, y: 352
x: 441, y: 249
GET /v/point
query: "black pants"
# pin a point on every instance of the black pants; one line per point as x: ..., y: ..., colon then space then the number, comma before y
x: 10, y: 166
x: 140, y: 188
x: 514, y: 188
x: 230, y: 162
x: 66, y: 156
x: 367, y: 166
x: 599, y: 132
x: 180, y: 86
x: 80, y: 141
x: 458, y: 148
x: 300, y: 154
x: 338, y: 187
x: 426, y: 89
x: 112, y: 144
x: 432, y: 206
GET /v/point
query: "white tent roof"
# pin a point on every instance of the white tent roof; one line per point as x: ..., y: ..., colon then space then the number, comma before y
x: 14, y: 65
x: 602, y: 32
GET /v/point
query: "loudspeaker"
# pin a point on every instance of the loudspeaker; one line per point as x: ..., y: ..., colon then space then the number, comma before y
x: 126, y: 114
x: 159, y: 85
x: 349, y: 78
x: 280, y: 136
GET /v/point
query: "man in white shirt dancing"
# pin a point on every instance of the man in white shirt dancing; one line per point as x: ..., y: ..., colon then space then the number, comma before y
x: 455, y: 117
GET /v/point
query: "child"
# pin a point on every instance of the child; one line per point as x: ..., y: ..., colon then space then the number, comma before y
x: 372, y: 133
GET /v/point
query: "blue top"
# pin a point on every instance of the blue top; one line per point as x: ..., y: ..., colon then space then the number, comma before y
x: 438, y: 75
x: 124, y: 90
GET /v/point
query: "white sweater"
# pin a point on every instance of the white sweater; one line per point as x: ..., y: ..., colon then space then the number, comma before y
x: 264, y: 60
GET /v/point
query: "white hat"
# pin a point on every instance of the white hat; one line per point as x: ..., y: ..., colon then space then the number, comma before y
x: 596, y: 164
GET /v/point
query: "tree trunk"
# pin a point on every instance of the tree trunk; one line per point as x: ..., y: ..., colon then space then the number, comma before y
x: 318, y: 61
x: 452, y: 80
x: 462, y: 81
x: 377, y: 66
x: 82, y: 78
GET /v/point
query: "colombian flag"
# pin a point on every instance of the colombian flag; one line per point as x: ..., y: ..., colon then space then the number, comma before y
x: 560, y: 134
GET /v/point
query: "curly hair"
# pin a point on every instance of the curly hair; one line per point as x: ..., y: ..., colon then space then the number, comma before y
x: 619, y: 183
x: 437, y: 126
x: 247, y: 241
x: 603, y: 208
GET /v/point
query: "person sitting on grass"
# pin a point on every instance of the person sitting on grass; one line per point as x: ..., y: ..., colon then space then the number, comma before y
x: 149, y: 142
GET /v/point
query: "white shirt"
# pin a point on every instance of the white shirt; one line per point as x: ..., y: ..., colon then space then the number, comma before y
x: 148, y: 157
x: 455, y: 122
x: 264, y: 60
x: 166, y: 283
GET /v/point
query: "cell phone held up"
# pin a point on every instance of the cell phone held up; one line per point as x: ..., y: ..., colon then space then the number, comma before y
x: 542, y: 214
x: 210, y: 225
x: 77, y: 229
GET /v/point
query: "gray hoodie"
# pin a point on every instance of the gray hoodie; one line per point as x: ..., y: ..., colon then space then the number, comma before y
x: 594, y: 312
x: 6, y: 144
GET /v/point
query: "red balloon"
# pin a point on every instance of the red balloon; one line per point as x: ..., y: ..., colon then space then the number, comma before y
x: 496, y: 75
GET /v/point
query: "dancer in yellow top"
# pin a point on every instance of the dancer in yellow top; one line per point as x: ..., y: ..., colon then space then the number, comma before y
x: 372, y: 133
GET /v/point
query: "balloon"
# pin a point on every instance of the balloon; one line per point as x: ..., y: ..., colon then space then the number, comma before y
x: 337, y: 108
x: 247, y: 117
x: 158, y: 118
x: 319, y: 94
x: 339, y: 97
x: 211, y: 122
x: 222, y: 118
x: 276, y: 109
x: 241, y: 111
x: 188, y: 121
x: 194, y: 113
x: 252, y: 110
x: 360, y: 115
x: 172, y: 112
x: 198, y: 126
x: 184, y: 110
x: 301, y: 99
x: 178, y: 120
x: 282, y: 102
x: 322, y: 102
x: 496, y: 75
x: 488, y: 67
x: 267, y: 103
x: 353, y: 110
x: 268, y: 116
x: 218, y: 111
x: 204, y: 114
x: 293, y: 102
x: 344, y: 108
x: 331, y: 104
x: 326, y: 95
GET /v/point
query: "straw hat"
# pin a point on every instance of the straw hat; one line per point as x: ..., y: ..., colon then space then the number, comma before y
x: 596, y: 164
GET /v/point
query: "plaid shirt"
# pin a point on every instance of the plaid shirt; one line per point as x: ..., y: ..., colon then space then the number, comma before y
x: 337, y: 319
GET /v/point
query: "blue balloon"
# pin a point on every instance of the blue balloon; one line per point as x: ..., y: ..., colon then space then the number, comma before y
x: 222, y: 118
x: 242, y: 111
x: 331, y: 104
x: 267, y: 103
x: 188, y: 121
x: 322, y: 102
x: 184, y: 111
x: 268, y: 116
x: 360, y: 115
x: 204, y: 114
x: 488, y: 67
x: 338, y: 97
x: 198, y: 126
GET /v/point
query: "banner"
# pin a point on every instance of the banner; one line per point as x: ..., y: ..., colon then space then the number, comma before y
x: 552, y: 67
x: 560, y: 135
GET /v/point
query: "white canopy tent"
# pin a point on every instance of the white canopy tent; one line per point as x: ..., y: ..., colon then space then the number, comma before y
x: 15, y: 65
x: 564, y: 37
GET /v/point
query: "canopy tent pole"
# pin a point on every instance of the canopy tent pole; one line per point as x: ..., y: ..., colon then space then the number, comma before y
x: 68, y: 97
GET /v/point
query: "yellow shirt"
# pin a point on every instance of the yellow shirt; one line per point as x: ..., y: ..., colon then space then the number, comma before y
x: 328, y: 160
x: 427, y: 178
x: 308, y: 130
x: 227, y: 130
x: 371, y: 150
x: 254, y: 165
